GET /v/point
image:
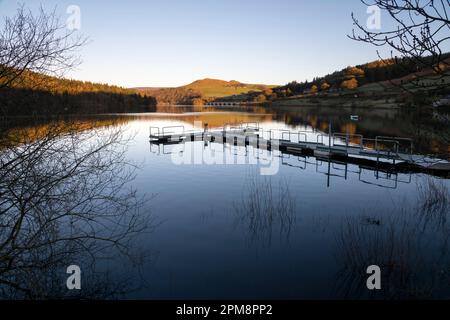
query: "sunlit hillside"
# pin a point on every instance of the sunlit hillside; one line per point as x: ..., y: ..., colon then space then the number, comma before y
x: 213, y: 88
x: 201, y: 90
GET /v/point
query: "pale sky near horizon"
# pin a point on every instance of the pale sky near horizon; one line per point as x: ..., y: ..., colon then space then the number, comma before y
x: 174, y: 42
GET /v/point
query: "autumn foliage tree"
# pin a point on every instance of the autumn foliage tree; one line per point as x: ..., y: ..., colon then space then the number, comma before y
x: 324, y: 86
x: 350, y: 84
x: 354, y: 72
x: 261, y: 98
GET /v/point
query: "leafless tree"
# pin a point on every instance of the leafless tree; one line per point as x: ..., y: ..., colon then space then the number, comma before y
x: 64, y: 186
x: 420, y: 32
x: 39, y: 43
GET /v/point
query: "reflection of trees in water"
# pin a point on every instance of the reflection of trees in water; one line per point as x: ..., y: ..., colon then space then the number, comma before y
x: 64, y: 199
x: 434, y: 202
x: 430, y: 135
x: 15, y: 131
x: 264, y: 208
x: 410, y: 245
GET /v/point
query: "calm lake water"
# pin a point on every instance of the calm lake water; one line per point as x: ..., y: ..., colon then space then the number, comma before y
x: 308, y: 231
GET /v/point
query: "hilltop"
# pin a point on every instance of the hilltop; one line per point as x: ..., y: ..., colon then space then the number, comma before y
x: 213, y: 88
x: 201, y: 91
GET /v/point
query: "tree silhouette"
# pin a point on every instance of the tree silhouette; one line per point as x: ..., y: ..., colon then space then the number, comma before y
x: 36, y: 42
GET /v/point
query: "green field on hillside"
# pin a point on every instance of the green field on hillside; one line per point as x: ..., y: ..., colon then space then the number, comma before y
x: 212, y: 88
x: 206, y: 89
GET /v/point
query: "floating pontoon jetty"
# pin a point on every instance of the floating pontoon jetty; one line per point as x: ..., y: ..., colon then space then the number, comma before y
x: 393, y: 153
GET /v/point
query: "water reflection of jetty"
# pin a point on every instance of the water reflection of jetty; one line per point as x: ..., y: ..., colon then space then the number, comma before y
x: 385, y: 156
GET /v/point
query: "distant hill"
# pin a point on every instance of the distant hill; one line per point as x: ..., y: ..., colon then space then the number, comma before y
x: 201, y: 91
x: 212, y: 88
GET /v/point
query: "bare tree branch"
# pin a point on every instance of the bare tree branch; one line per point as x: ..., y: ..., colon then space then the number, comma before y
x: 38, y: 43
x: 420, y: 33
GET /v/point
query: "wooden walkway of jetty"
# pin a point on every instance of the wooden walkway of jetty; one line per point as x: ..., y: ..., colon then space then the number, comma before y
x: 381, y: 152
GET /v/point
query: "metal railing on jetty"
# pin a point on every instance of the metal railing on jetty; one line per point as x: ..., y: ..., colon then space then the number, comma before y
x: 346, y: 147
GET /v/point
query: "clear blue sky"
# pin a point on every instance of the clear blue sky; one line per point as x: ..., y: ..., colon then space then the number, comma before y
x: 173, y: 42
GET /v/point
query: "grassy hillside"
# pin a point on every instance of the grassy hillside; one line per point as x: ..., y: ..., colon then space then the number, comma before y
x: 386, y: 73
x: 200, y: 91
x: 212, y: 88
x: 384, y: 94
x: 388, y: 83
